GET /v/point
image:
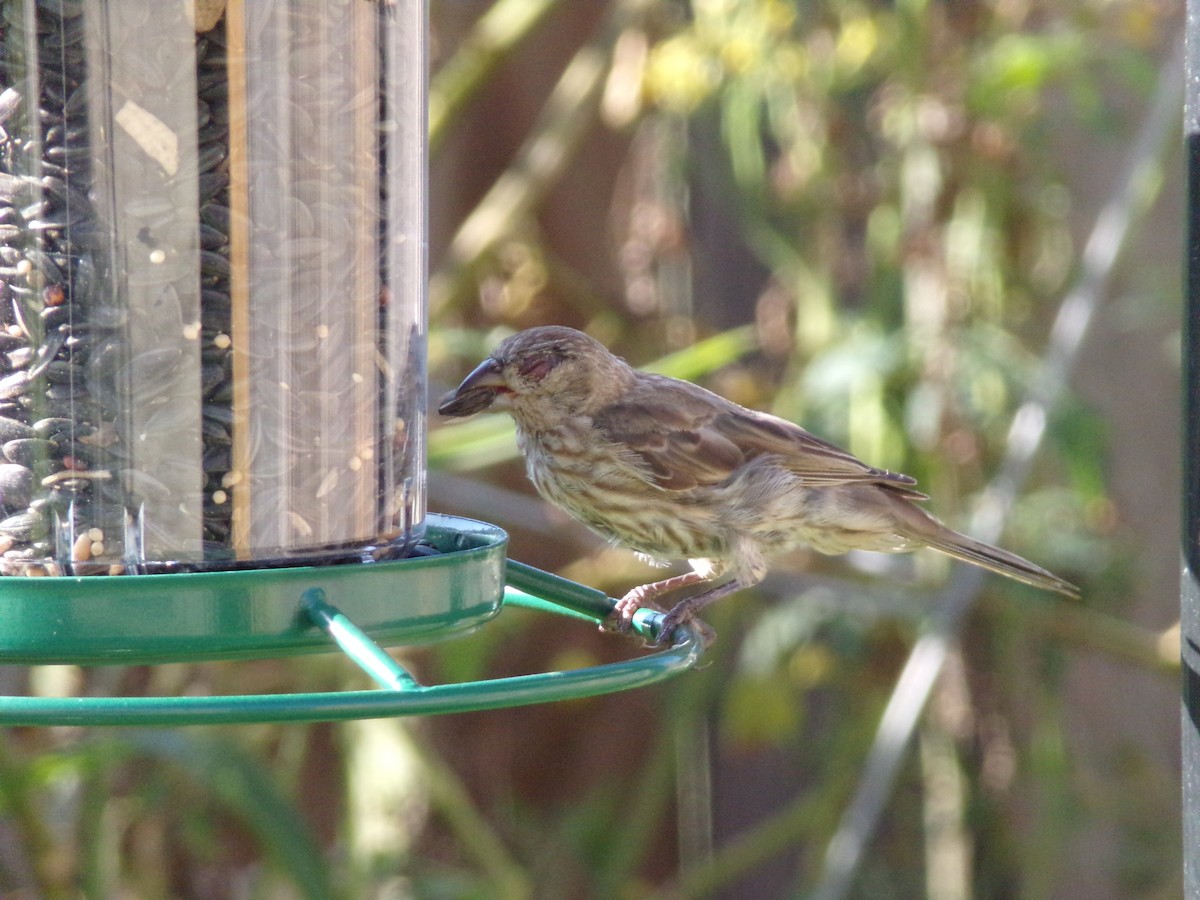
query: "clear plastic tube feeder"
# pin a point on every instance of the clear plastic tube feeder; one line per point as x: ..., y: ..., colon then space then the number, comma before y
x: 211, y: 284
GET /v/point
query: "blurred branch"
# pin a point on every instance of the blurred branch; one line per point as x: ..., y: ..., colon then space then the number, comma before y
x: 767, y: 839
x: 693, y: 792
x: 650, y: 800
x: 1087, y: 629
x: 450, y: 799
x: 1142, y: 647
x: 494, y: 37
x: 499, y: 505
x: 569, y: 112
x: 1135, y: 188
x: 706, y: 356
x: 244, y: 786
x: 19, y: 792
x: 799, y: 821
x: 472, y: 444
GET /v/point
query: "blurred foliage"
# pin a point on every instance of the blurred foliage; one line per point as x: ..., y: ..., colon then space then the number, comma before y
x: 891, y: 185
x: 856, y: 214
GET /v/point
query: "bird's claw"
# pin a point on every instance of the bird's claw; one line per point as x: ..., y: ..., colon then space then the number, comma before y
x: 620, y: 620
x: 677, y: 617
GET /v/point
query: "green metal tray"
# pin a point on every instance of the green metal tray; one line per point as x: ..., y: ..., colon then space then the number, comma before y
x: 132, y: 619
x: 274, y: 612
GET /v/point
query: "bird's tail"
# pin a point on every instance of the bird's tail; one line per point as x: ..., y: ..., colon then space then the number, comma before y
x: 967, y: 549
x: 922, y: 529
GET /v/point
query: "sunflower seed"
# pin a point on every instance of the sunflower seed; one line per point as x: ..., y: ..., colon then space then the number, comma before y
x: 25, y: 526
x: 16, y: 486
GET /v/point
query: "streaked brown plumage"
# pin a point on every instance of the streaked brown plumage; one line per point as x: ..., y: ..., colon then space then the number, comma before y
x: 673, y: 471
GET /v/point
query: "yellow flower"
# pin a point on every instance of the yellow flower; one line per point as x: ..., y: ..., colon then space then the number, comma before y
x: 857, y: 41
x: 779, y: 15
x: 680, y: 75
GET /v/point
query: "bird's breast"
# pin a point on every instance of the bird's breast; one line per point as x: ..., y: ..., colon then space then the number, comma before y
x: 573, y: 466
x: 602, y: 485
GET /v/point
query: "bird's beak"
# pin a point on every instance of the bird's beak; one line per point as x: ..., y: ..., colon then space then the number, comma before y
x: 477, y: 392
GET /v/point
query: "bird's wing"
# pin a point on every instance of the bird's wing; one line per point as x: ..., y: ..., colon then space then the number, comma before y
x: 687, y: 437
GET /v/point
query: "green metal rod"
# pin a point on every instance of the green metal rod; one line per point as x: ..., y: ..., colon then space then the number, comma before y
x: 367, y: 654
x: 514, y: 597
x: 497, y: 693
x: 561, y: 591
x: 536, y: 589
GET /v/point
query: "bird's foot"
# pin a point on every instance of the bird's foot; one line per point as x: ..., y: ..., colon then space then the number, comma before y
x: 686, y: 611
x: 679, y: 615
x: 620, y: 620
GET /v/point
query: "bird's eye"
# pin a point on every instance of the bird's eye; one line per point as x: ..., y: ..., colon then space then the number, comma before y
x: 537, y: 368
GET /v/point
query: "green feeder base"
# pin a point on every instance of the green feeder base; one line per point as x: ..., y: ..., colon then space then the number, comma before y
x: 284, y: 611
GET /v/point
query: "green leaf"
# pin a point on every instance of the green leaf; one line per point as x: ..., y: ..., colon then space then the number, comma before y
x: 247, y: 788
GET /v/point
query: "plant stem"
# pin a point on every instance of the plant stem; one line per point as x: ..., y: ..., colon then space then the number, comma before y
x: 495, y: 36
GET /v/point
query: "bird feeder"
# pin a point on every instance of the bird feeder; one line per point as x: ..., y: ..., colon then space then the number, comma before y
x: 212, y: 370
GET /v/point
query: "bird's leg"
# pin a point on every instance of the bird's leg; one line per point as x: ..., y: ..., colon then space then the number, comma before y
x: 621, y: 617
x: 686, y: 610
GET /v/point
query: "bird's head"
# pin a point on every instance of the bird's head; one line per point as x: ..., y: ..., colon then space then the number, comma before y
x: 538, y: 371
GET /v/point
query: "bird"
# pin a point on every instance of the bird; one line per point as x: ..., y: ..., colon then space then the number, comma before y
x: 673, y: 471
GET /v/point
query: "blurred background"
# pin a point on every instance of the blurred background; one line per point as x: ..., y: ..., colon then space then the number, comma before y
x: 894, y: 223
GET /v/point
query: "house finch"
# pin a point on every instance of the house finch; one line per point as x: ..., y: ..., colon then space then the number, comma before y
x: 673, y: 471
